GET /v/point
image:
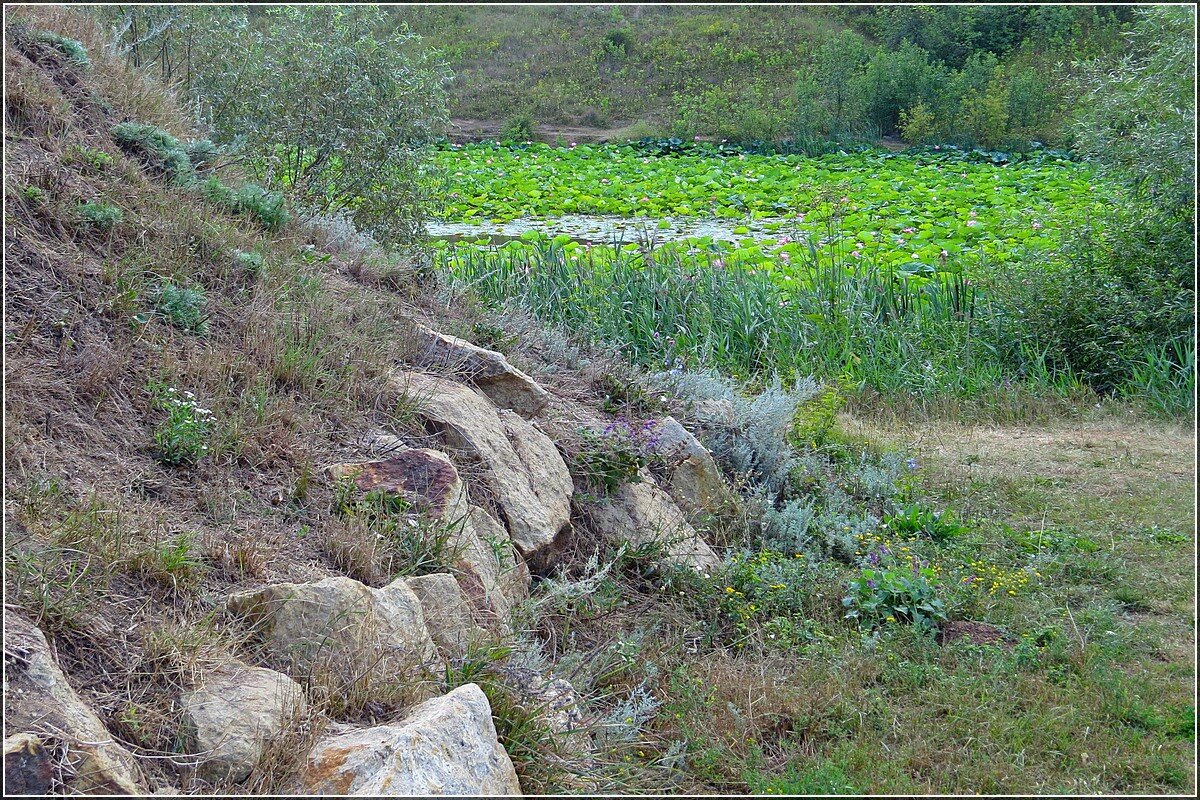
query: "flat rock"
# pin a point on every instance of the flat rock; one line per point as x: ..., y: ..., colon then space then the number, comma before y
x: 233, y: 714
x: 444, y: 746
x: 426, y: 478
x: 696, y: 483
x: 642, y: 512
x: 38, y: 700
x: 506, y: 386
x: 522, y: 468
x: 342, y: 619
x: 448, y: 614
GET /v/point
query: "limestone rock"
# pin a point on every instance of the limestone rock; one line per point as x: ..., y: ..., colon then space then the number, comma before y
x: 38, y: 700
x: 233, y: 714
x: 340, y: 618
x: 448, y: 615
x: 491, y: 574
x: 523, y: 469
x: 506, y: 386
x: 696, y: 483
x: 642, y: 512
x: 445, y: 746
x: 27, y: 766
x: 427, y: 478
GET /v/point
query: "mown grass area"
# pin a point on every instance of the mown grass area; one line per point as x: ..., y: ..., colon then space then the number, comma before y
x: 1076, y: 678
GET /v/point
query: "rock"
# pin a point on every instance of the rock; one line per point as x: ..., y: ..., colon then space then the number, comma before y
x: 445, y: 746
x: 38, y: 700
x: 448, y: 615
x: 696, y: 483
x: 27, y: 766
x: 522, y: 468
x: 491, y: 574
x: 642, y: 512
x: 233, y: 714
x: 339, y: 618
x: 426, y: 478
x: 506, y: 386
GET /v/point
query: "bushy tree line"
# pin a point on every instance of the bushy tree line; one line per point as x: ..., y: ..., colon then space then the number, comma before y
x: 972, y: 76
x: 327, y: 104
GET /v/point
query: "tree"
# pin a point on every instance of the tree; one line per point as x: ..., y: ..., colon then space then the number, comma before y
x: 320, y: 101
x: 1137, y: 116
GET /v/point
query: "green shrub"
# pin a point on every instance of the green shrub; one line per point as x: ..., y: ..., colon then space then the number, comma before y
x: 100, y: 215
x: 182, y: 306
x: 250, y: 200
x: 362, y: 148
x: 73, y: 49
x: 182, y: 437
x: 155, y: 146
x: 202, y: 154
x: 517, y: 128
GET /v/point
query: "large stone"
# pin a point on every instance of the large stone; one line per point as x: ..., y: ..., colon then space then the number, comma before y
x: 426, y: 478
x: 522, y: 468
x: 445, y: 746
x: 448, y: 615
x: 27, y: 766
x: 491, y: 573
x: 696, y: 483
x: 641, y: 513
x: 341, y: 619
x: 38, y: 700
x: 506, y: 386
x: 233, y: 714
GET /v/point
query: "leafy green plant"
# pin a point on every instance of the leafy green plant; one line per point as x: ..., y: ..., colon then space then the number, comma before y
x: 155, y: 146
x: 33, y: 195
x: 914, y: 520
x: 894, y: 593
x: 182, y: 436
x: 97, y: 160
x: 100, y: 215
x: 182, y: 306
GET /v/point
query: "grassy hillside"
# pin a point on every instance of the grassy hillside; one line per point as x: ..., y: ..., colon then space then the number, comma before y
x: 609, y: 66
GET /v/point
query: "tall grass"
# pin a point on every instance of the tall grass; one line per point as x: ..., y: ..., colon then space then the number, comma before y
x: 829, y: 316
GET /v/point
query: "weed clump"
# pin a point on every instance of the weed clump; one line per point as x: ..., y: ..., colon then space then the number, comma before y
x: 100, y: 215
x: 162, y: 150
x: 73, y: 49
x: 182, y: 437
x: 251, y: 200
x: 182, y: 306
